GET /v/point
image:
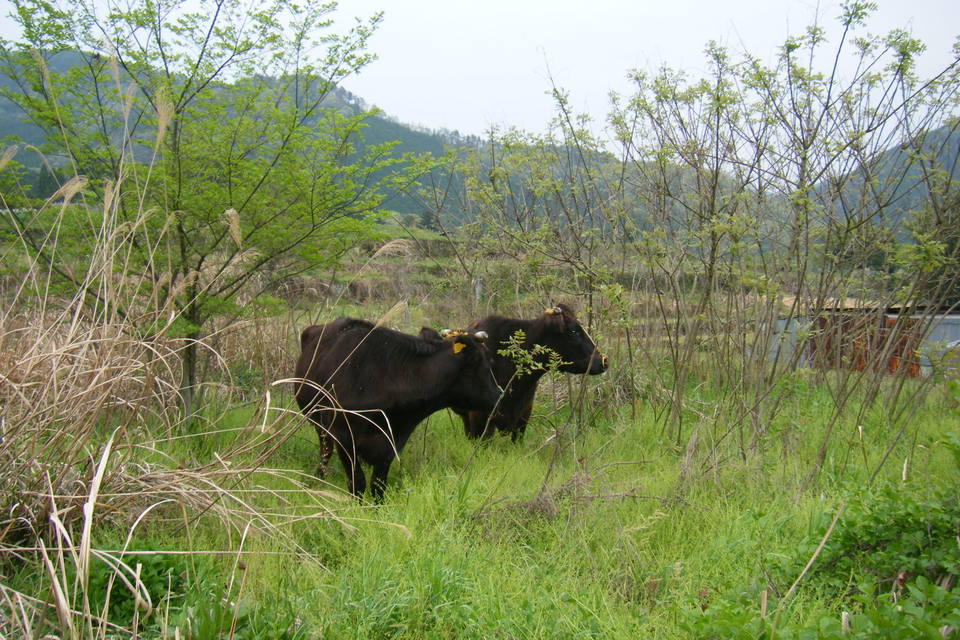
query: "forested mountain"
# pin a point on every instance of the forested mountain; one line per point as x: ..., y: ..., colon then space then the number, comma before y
x: 896, y: 168
x: 380, y: 128
x: 895, y: 182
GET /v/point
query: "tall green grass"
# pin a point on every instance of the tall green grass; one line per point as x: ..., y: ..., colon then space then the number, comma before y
x: 619, y: 544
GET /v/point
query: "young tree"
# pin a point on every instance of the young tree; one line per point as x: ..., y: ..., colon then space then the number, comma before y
x: 778, y: 183
x: 210, y: 146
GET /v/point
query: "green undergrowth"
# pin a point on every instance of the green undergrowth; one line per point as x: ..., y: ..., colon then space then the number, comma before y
x: 603, y: 531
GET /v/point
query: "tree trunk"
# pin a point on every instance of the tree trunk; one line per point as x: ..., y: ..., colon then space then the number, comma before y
x: 188, y: 379
x: 190, y: 395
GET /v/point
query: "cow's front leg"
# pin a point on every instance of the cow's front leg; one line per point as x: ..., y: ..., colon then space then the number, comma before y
x: 378, y: 479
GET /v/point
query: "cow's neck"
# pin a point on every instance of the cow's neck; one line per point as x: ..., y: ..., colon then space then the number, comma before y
x: 430, y: 376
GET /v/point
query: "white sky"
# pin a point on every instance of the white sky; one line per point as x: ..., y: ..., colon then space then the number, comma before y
x: 468, y: 65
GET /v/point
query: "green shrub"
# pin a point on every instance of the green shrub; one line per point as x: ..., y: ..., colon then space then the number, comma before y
x: 166, y: 577
x: 926, y: 610
x: 891, y: 562
x: 895, y: 532
x: 192, y: 590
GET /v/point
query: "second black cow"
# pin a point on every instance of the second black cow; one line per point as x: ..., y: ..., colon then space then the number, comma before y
x: 366, y: 388
x: 557, y: 329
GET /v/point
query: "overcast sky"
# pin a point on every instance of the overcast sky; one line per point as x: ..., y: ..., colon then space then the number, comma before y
x: 468, y: 65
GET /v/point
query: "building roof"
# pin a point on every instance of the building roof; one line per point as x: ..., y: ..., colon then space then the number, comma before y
x: 860, y: 305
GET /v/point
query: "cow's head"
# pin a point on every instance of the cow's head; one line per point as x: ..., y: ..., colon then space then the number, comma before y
x: 562, y: 332
x: 474, y: 388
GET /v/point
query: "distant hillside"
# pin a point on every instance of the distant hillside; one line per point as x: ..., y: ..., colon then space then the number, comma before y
x: 898, y: 176
x: 380, y: 128
x: 906, y: 187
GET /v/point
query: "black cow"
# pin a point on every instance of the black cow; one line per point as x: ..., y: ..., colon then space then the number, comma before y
x: 557, y: 329
x: 366, y: 388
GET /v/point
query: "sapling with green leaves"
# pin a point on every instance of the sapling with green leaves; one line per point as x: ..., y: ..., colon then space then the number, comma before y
x: 214, y: 151
x: 527, y: 360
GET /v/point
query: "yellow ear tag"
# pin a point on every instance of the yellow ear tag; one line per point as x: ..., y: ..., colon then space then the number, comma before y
x: 458, y: 347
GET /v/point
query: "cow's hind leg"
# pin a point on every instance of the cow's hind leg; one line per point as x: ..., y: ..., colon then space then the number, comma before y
x: 516, y: 434
x: 478, y: 424
x: 473, y: 422
x: 326, y: 450
x: 356, y: 481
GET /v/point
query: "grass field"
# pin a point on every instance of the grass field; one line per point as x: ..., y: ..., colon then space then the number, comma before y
x: 604, y: 532
x: 693, y: 490
x: 597, y: 525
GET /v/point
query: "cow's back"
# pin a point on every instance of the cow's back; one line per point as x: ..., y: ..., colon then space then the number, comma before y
x: 324, y: 353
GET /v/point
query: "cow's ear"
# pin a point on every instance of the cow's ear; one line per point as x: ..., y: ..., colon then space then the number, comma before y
x: 459, y: 339
x: 430, y: 335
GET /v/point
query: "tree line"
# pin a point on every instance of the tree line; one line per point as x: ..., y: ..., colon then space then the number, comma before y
x: 208, y: 146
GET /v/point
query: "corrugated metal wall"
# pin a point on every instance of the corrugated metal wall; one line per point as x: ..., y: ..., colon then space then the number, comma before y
x: 942, y: 345
x: 943, y: 333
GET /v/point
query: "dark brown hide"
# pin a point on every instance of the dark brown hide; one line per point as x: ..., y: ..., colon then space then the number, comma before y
x: 366, y: 388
